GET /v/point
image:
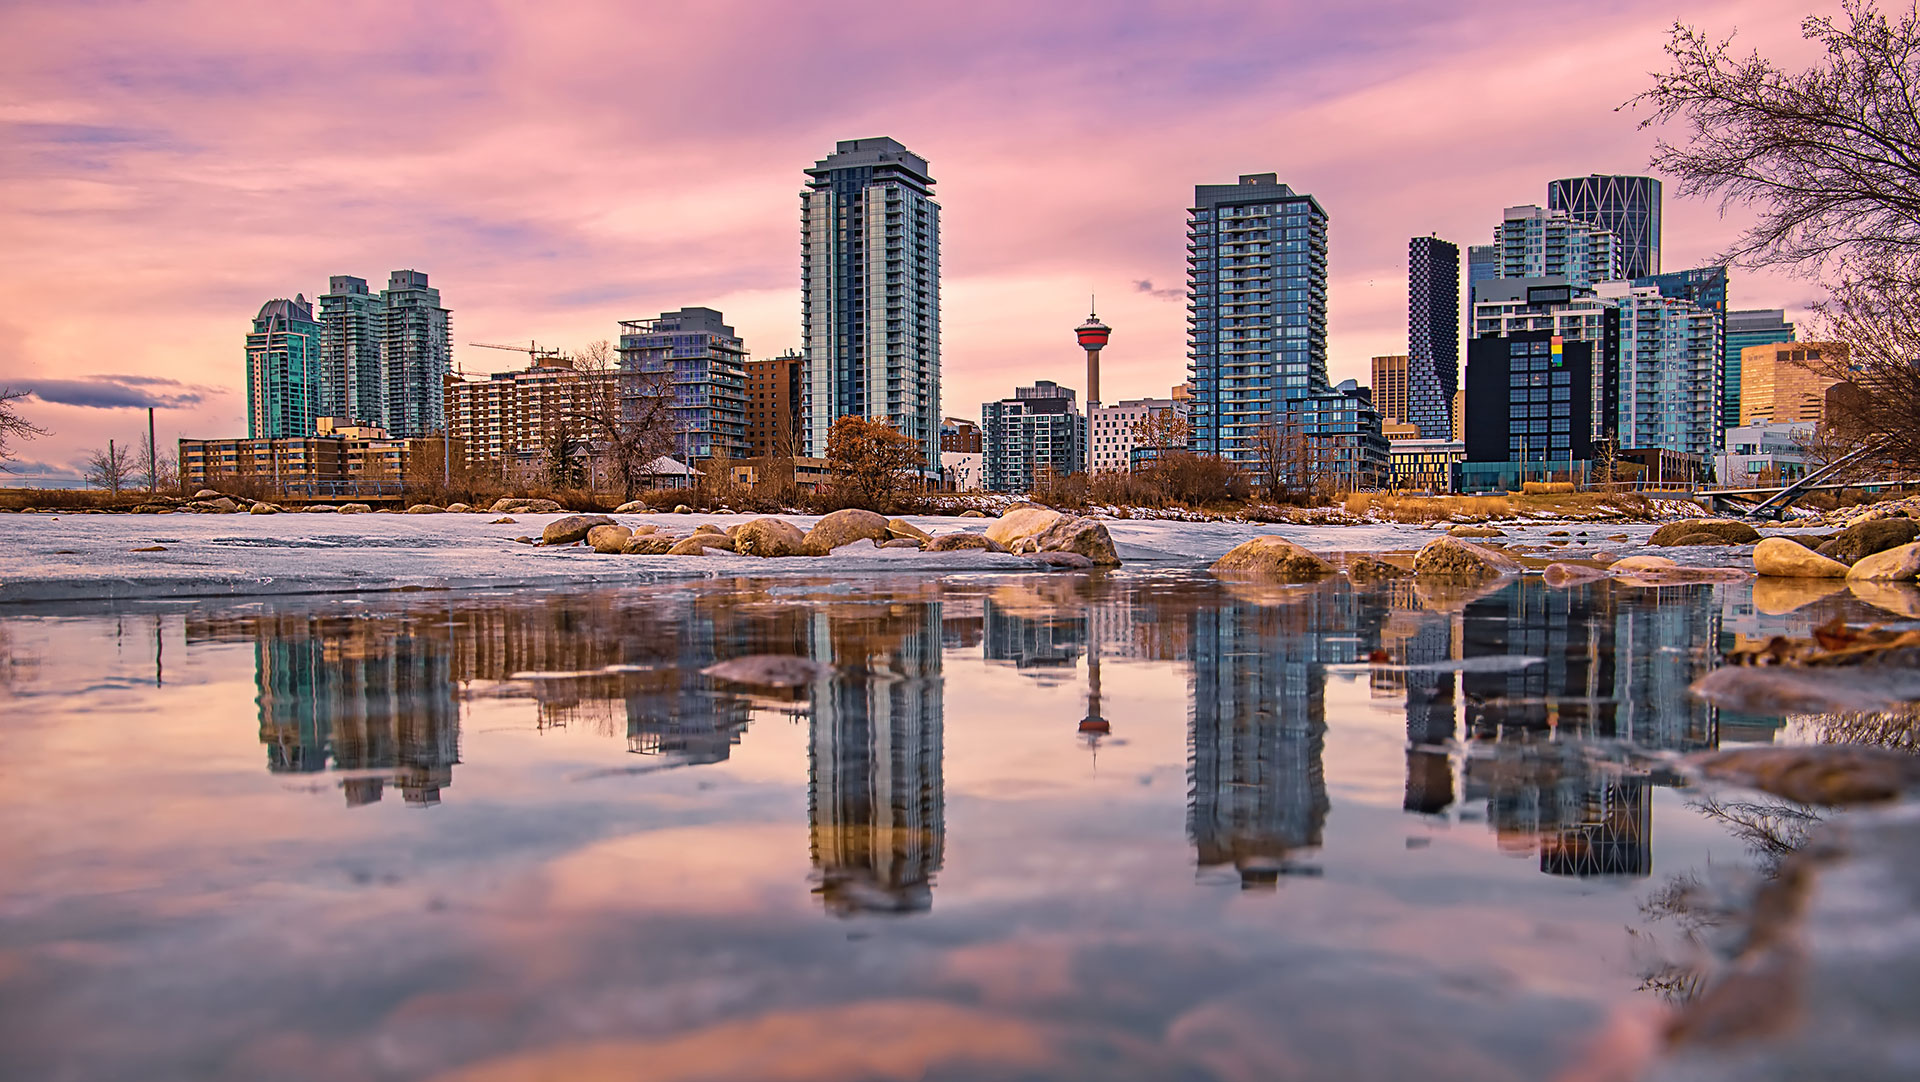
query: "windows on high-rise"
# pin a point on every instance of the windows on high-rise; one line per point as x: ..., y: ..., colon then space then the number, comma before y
x: 870, y: 293
x: 1533, y: 243
x: 693, y: 355
x: 1433, y: 334
x: 1751, y: 327
x: 284, y: 389
x: 1627, y: 207
x: 385, y: 357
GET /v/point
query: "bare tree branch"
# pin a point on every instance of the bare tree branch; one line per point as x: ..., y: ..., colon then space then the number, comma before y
x: 12, y: 425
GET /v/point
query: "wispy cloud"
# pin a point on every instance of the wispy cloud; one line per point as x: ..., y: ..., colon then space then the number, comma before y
x: 1145, y: 285
x: 117, y: 392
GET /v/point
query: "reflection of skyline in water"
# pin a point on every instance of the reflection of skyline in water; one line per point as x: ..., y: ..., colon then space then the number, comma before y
x: 378, y: 693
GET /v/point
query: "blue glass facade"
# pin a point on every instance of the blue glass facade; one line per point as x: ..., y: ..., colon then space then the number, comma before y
x: 1706, y: 288
x: 693, y: 355
x: 1629, y: 207
x: 284, y: 387
x: 1752, y: 327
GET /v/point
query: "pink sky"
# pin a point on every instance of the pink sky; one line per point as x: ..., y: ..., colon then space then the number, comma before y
x: 557, y: 167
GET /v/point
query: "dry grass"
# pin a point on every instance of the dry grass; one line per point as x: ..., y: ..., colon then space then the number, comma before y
x: 1393, y: 508
x: 71, y: 499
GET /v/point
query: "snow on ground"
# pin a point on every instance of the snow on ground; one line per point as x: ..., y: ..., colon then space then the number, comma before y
x: 89, y: 557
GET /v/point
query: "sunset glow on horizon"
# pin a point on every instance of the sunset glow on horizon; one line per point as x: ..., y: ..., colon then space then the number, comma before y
x: 557, y: 168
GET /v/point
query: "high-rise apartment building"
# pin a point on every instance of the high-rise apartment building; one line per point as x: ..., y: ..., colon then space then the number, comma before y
x: 416, y: 355
x: 1391, y: 387
x: 1787, y: 382
x: 870, y: 293
x: 1669, y: 385
x: 1627, y: 207
x: 1706, y: 287
x: 284, y: 392
x: 1536, y: 243
x: 1036, y: 433
x: 692, y: 356
x: 773, y: 406
x: 1433, y: 334
x: 352, y: 322
x: 385, y: 358
x: 1257, y: 298
x: 1511, y: 306
x: 1750, y: 327
x: 1527, y: 396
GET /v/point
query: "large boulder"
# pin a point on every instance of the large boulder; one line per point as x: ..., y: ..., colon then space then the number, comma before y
x: 206, y: 494
x: 1083, y: 536
x: 611, y: 540
x: 900, y: 528
x: 1705, y: 531
x: 632, y: 507
x: 844, y: 528
x: 1452, y: 558
x: 1890, y: 565
x: 459, y: 508
x: 355, y: 509
x: 426, y: 509
x: 220, y: 505
x: 700, y: 543
x: 1475, y: 531
x: 769, y: 537
x: 1020, y: 523
x: 1778, y: 557
x: 1272, y: 559
x: 263, y: 508
x: 520, y: 505
x: 572, y: 528
x: 648, y: 545
x: 1866, y: 538
x: 960, y: 542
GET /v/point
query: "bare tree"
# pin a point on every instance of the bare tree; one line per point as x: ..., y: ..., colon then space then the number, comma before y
x: 1828, y: 156
x: 12, y: 425
x: 627, y: 414
x: 156, y: 468
x: 1829, y: 159
x: 110, y: 467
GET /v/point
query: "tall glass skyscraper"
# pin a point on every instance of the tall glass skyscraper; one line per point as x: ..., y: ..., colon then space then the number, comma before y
x: 1669, y: 371
x: 1433, y: 334
x: 385, y: 357
x: 416, y: 355
x: 1257, y: 298
x: 1706, y: 287
x: 283, y: 370
x: 870, y: 293
x: 351, y: 322
x: 1533, y: 243
x: 1628, y: 207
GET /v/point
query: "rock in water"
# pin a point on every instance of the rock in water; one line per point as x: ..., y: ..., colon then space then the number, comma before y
x: 566, y: 531
x: 426, y: 509
x: 974, y: 514
x: 610, y: 540
x: 355, y: 509
x: 959, y: 542
x: 844, y: 528
x: 682, y: 509
x: 769, y: 670
x: 699, y: 543
x: 1452, y: 558
x: 1832, y: 775
x: 1272, y: 559
x: 1899, y: 598
x: 1558, y: 575
x: 459, y: 508
x: 1781, y: 558
x: 1705, y: 531
x: 900, y: 527
x: 263, y: 508
x: 1021, y: 523
x: 903, y: 543
x: 648, y: 545
x: 1633, y: 564
x: 1062, y: 561
x: 503, y: 520
x: 631, y: 507
x: 1474, y: 531
x: 1082, y: 536
x: 1864, y: 539
x: 769, y: 537
x: 514, y: 505
x: 1888, y: 565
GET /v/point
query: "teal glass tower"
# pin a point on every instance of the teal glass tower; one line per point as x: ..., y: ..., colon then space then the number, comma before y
x: 283, y: 370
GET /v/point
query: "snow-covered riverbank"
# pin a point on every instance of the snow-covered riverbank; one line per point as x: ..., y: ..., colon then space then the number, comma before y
x: 47, y: 557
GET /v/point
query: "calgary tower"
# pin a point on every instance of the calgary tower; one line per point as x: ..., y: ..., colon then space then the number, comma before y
x: 1093, y: 334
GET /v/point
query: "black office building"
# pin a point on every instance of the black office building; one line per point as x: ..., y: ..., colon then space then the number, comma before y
x: 1530, y: 399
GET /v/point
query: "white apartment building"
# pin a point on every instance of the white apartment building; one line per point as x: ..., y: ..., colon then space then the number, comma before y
x: 1110, y: 430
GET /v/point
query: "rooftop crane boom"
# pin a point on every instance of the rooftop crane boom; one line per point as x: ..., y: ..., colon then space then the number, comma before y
x: 535, y: 353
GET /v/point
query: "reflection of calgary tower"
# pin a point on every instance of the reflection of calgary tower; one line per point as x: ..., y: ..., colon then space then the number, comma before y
x: 1093, y: 334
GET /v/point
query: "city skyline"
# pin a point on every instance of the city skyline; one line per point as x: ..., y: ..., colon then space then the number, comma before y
x: 129, y: 162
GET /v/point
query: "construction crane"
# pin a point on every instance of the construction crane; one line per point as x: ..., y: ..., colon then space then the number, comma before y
x: 535, y: 354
